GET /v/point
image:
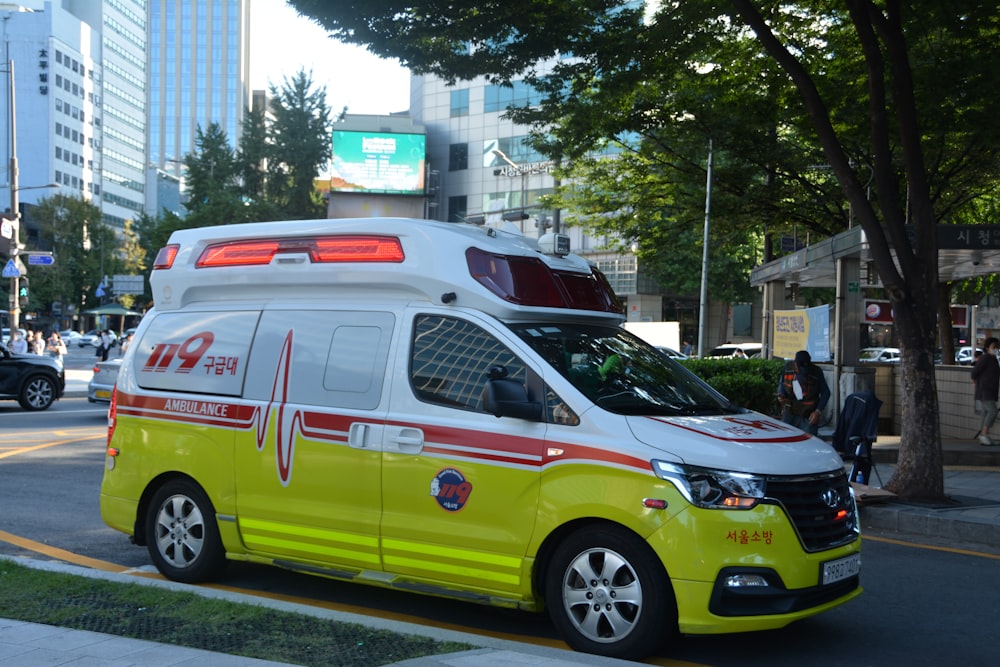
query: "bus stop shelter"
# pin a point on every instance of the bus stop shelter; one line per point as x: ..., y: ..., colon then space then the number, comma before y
x: 844, y: 262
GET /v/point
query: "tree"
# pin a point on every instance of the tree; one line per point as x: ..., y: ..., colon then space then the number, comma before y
x: 908, y: 92
x: 212, y: 177
x: 299, y: 145
x: 84, y: 249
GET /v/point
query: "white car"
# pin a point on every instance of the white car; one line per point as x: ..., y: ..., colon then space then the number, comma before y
x: 672, y: 353
x: 965, y: 357
x: 885, y: 355
x: 730, y: 351
x: 93, y: 339
x: 71, y: 337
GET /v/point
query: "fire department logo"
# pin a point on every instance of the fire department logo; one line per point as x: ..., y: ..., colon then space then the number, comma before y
x: 451, y: 490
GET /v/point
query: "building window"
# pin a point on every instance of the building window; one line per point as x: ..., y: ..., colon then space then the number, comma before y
x: 460, y: 102
x: 458, y: 208
x: 458, y: 157
x: 620, y: 270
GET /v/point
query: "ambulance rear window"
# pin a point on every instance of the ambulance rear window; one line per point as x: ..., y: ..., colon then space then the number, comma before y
x: 528, y: 281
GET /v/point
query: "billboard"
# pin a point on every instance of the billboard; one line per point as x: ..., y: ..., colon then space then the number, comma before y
x: 808, y: 329
x: 378, y: 162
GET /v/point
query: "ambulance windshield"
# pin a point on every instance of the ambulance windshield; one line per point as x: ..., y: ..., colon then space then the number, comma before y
x: 622, y: 373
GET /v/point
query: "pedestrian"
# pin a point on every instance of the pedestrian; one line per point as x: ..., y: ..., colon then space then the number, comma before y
x: 125, y: 343
x: 56, y: 347
x: 986, y: 376
x: 38, y: 343
x: 18, y: 345
x: 803, y: 393
x: 687, y: 350
x: 104, y: 345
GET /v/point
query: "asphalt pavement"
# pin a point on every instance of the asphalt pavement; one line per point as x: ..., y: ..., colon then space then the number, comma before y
x: 970, y: 516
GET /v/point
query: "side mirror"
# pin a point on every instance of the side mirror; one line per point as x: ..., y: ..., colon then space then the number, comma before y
x: 509, y: 398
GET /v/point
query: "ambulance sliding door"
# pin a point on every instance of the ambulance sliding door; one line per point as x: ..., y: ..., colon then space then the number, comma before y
x: 460, y: 486
x: 308, y: 474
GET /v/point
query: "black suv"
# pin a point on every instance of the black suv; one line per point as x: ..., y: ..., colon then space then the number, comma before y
x: 35, y: 381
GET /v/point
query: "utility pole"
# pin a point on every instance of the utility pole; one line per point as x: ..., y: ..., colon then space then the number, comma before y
x: 15, y: 236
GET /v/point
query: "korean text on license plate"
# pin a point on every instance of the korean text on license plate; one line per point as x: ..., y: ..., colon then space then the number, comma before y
x: 840, y: 569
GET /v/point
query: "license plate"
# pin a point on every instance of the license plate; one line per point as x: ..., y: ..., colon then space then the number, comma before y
x: 842, y: 568
x: 102, y: 393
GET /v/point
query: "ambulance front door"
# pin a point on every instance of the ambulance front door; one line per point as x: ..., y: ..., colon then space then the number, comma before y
x: 460, y: 486
x: 308, y: 474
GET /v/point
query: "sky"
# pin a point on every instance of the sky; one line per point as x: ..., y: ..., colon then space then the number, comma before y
x: 282, y: 43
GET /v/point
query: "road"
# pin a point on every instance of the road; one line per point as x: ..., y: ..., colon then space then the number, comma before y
x: 924, y: 604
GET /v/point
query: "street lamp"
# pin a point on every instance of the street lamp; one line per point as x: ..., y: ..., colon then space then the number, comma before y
x: 702, y: 312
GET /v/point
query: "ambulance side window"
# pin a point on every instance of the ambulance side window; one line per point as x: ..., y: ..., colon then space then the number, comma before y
x: 450, y: 358
x: 325, y: 358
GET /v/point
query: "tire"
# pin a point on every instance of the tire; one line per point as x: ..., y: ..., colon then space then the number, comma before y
x: 181, y: 533
x: 37, y: 393
x: 607, y: 593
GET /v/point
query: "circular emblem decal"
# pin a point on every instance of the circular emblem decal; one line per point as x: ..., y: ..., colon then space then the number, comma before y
x: 451, y: 490
x: 873, y: 310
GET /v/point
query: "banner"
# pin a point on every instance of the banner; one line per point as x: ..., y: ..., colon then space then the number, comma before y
x: 795, y: 330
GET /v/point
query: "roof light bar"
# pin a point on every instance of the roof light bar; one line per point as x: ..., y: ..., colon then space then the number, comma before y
x: 327, y: 249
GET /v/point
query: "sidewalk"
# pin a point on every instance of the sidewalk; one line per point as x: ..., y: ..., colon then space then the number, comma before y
x: 971, y: 481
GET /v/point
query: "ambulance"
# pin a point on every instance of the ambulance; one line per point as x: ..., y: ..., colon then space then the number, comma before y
x: 456, y: 410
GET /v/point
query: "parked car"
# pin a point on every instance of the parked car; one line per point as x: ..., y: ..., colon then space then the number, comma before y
x: 71, y: 337
x: 102, y: 385
x: 965, y: 357
x: 729, y: 350
x: 672, y: 353
x: 34, y: 381
x: 886, y: 355
x: 93, y: 339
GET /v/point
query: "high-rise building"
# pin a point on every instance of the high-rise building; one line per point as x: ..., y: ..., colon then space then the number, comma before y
x: 79, y: 93
x: 199, y: 60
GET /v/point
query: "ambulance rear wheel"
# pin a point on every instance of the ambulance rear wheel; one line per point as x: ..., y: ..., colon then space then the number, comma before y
x: 608, y: 594
x: 181, y: 534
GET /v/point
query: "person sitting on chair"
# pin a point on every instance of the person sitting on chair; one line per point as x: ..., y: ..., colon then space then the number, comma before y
x: 803, y: 393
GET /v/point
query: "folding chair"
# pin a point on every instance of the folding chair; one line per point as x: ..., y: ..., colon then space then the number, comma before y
x: 857, y: 429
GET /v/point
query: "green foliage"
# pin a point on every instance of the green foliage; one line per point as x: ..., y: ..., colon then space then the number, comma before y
x: 299, y: 144
x: 749, y: 383
x: 186, y: 619
x: 84, y: 249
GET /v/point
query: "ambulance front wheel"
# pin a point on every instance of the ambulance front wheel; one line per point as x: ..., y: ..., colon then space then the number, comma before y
x: 608, y: 594
x: 181, y: 533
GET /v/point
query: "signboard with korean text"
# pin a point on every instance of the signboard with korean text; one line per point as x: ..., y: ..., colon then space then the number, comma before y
x: 805, y: 329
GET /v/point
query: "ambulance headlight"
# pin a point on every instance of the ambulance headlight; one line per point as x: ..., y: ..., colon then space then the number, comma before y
x: 713, y: 489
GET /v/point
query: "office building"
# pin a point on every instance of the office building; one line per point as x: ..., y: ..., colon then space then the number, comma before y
x: 198, y: 74
x: 79, y: 81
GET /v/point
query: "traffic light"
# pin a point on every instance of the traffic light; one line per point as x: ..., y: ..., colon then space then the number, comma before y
x: 22, y: 292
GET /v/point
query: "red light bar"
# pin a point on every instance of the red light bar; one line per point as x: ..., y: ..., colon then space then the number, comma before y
x: 528, y: 281
x: 165, y: 257
x: 328, y: 249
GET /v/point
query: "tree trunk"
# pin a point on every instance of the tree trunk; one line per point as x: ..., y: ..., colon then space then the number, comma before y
x: 902, y: 238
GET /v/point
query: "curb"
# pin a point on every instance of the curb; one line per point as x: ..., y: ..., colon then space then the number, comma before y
x: 941, y: 523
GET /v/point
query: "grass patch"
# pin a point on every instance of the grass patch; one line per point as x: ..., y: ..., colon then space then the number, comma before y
x: 186, y: 619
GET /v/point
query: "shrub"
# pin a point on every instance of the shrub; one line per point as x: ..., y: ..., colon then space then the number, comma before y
x: 749, y: 383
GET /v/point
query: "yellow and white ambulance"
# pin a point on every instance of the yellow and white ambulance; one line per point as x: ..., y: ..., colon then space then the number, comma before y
x: 455, y: 410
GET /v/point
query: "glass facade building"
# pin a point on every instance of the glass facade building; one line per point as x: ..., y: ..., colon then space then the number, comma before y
x: 199, y: 60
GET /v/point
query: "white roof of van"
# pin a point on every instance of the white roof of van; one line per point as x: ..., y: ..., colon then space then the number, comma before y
x: 434, y: 267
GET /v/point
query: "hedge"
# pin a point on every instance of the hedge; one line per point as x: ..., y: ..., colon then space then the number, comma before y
x: 750, y: 383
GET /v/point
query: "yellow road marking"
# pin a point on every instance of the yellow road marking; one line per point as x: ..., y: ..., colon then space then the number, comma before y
x: 24, y: 450
x: 60, y: 554
x: 931, y: 547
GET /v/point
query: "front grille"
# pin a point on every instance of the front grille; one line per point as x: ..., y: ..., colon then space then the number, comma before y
x: 815, y: 504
